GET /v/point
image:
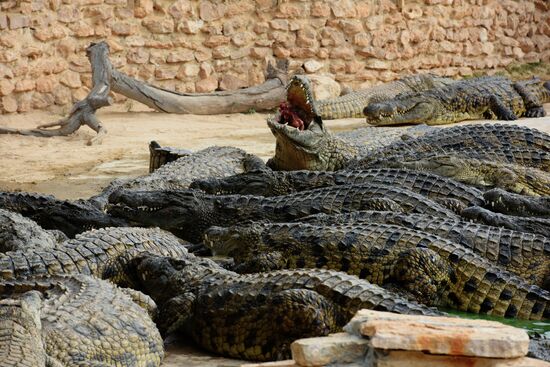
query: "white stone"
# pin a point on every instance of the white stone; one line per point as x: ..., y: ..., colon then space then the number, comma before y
x: 324, y: 86
x: 336, y: 348
x: 312, y: 66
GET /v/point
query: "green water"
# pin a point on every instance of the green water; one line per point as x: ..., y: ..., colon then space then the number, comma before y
x: 531, y: 326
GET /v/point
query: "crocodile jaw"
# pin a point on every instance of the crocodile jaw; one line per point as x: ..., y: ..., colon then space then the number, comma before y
x: 396, y: 112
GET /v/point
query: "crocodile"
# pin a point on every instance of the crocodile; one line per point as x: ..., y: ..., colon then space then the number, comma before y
x: 525, y: 254
x: 18, y: 232
x: 517, y: 223
x: 256, y: 316
x: 93, y: 253
x: 487, y: 97
x: 209, y: 162
x: 352, y: 104
x: 76, y: 321
x: 481, y: 173
x: 188, y: 213
x: 436, y: 271
x: 159, y: 155
x: 69, y: 217
x: 273, y: 183
x: 513, y: 204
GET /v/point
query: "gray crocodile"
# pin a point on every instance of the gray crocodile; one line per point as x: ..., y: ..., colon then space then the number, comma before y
x: 189, y: 213
x: 488, y: 97
x: 256, y: 316
x: 76, y: 321
x: 178, y: 174
x: 18, y: 232
x: 525, y: 254
x: 272, y: 183
x: 94, y: 253
x: 436, y: 271
x: 353, y: 104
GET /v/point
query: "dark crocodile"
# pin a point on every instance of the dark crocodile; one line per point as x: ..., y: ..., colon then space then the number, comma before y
x: 189, y: 213
x: 69, y: 217
x: 353, y: 104
x: 159, y: 155
x: 94, y: 253
x: 489, y: 97
x: 273, y: 183
x: 256, y: 316
x: 482, y: 173
x: 76, y: 321
x: 18, y: 232
x: 522, y: 224
x: 513, y: 204
x: 178, y: 174
x: 525, y: 254
x: 436, y: 271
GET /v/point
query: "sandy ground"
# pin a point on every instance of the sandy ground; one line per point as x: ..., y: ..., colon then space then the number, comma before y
x: 68, y: 168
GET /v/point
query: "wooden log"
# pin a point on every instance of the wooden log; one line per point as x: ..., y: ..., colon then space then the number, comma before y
x: 106, y: 79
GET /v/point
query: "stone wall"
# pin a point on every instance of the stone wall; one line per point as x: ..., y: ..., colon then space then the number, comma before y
x: 201, y: 46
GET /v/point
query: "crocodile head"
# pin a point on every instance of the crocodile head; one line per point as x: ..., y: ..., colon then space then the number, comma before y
x: 501, y: 201
x: 237, y: 242
x: 183, y: 212
x: 416, y: 108
x: 303, y: 142
x: 69, y: 217
x: 258, y: 183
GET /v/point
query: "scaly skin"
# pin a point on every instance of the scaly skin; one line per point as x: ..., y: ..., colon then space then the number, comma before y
x: 69, y: 217
x: 436, y: 271
x: 471, y: 99
x: 84, y: 322
x: 513, y: 204
x: 523, y: 224
x: 256, y: 316
x: 210, y: 162
x: 21, y: 332
x: 273, y: 183
x: 18, y: 233
x: 94, y: 253
x: 189, y: 213
x: 524, y: 254
x: 485, y: 174
x: 509, y: 144
x: 159, y: 156
x: 352, y: 104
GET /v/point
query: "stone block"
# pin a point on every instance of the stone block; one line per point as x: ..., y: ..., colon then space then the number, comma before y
x: 46, y: 84
x: 165, y: 73
x: 24, y: 85
x: 143, y: 8
x: 232, y: 82
x: 121, y: 28
x: 440, y: 335
x: 324, y: 87
x: 209, y: 10
x: 335, y: 349
x: 137, y: 56
x: 190, y: 26
x: 279, y: 24
x: 188, y: 70
x: 214, y: 41
x: 68, y: 14
x: 311, y: 66
x: 71, y: 79
x: 180, y: 56
x: 344, y: 9
x: 8, y: 56
x: 6, y: 87
x: 9, y: 104
x: 19, y: 21
x: 159, y: 25
x: 206, y: 85
x: 418, y: 359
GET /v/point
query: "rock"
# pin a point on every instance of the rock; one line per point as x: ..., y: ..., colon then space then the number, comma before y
x: 46, y: 84
x: 214, y: 41
x: 3, y: 21
x: 6, y: 87
x: 142, y: 8
x: 71, y: 79
x: 18, y: 21
x: 206, y: 70
x: 232, y: 82
x: 82, y: 29
x: 396, y: 358
x: 188, y: 70
x: 324, y: 86
x: 165, y: 73
x: 335, y: 349
x: 68, y: 14
x: 190, y: 26
x: 209, y: 11
x: 206, y: 85
x: 137, y: 56
x: 180, y: 56
x: 159, y: 25
x: 121, y: 28
x: 24, y: 85
x: 311, y: 66
x: 440, y: 335
x: 320, y: 9
x: 9, y: 104
x: 351, y: 27
x: 285, y: 363
x: 279, y: 24
x: 8, y: 56
x: 344, y: 9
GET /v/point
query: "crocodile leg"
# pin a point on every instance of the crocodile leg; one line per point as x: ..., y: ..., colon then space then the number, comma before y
x: 500, y: 109
x: 533, y: 104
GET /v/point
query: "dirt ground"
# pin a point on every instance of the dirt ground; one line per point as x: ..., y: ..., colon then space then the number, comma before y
x: 68, y: 168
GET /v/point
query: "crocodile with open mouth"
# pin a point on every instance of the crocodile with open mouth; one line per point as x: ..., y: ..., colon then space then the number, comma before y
x: 487, y: 97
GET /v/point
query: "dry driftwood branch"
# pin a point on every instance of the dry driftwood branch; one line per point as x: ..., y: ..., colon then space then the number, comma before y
x: 105, y: 78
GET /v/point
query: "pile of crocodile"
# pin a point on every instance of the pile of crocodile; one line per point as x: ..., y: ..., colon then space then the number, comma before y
x: 245, y: 257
